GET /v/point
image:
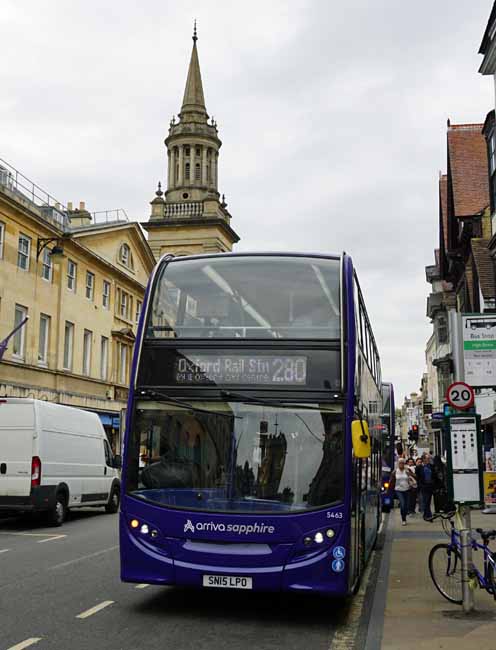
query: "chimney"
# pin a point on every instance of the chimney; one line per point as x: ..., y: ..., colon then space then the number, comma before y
x: 80, y: 216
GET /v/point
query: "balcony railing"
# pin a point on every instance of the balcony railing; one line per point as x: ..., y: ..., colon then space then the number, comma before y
x: 179, y: 210
x: 109, y: 216
x: 18, y: 185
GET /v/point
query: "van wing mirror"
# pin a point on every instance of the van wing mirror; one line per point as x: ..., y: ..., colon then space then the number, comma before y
x: 362, y: 447
x: 117, y: 461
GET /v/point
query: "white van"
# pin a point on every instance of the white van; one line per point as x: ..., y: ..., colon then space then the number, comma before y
x: 53, y: 458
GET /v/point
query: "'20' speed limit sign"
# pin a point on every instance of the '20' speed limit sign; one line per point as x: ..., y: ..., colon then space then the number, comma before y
x: 460, y: 395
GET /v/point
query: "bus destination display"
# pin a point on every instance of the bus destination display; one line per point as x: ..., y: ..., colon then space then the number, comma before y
x: 241, y: 369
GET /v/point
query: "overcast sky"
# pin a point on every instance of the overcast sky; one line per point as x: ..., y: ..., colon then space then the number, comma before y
x: 332, y: 114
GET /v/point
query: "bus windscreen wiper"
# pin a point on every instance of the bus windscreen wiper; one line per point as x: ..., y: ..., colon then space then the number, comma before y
x: 167, y: 399
x: 267, y: 401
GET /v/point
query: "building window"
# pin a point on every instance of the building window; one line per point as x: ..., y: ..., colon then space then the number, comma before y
x: 197, y: 172
x: 125, y: 256
x: 104, y: 344
x: 87, y: 336
x: 198, y: 152
x: 19, y: 341
x: 139, y: 304
x: 124, y: 303
x: 2, y: 238
x: 71, y: 275
x: 23, y: 250
x: 44, y: 339
x: 187, y: 171
x: 442, y: 330
x: 46, y: 267
x: 90, y: 285
x: 106, y: 295
x: 122, y: 363
x: 68, y: 345
x: 492, y: 153
x: 187, y: 151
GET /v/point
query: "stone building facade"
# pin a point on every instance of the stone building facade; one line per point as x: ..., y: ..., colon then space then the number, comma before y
x: 80, y: 280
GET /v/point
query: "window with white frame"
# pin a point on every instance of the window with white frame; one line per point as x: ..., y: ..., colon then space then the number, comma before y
x: 46, y: 266
x: 71, y: 275
x: 87, y: 336
x: 106, y: 295
x: 104, y: 348
x: 122, y: 363
x: 139, y: 304
x: 23, y: 251
x: 68, y: 345
x: 123, y: 304
x: 125, y: 256
x: 90, y: 285
x: 19, y: 340
x: 44, y: 339
x: 2, y: 238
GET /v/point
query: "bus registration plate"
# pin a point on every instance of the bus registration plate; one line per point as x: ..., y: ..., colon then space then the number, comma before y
x: 232, y: 582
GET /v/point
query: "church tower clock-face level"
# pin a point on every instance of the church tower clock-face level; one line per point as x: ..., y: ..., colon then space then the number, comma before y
x: 190, y: 217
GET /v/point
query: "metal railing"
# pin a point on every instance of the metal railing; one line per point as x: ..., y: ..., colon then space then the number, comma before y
x: 13, y: 181
x: 109, y: 216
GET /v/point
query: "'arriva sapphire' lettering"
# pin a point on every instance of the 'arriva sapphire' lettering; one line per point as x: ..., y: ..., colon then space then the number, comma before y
x: 239, y: 529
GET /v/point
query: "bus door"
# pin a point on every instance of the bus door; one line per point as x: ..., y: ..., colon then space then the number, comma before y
x: 359, y: 499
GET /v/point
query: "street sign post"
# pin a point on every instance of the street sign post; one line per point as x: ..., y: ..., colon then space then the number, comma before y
x: 460, y: 395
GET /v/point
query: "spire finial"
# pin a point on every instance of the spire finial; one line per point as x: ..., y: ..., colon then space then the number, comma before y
x: 195, y: 35
x: 159, y: 190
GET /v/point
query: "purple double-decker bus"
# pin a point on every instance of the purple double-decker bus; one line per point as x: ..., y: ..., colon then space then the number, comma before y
x: 240, y: 464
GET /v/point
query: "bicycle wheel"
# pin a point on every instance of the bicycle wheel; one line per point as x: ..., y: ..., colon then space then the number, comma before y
x: 445, y: 567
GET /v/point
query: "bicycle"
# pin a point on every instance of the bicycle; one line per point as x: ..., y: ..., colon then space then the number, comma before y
x: 445, y: 562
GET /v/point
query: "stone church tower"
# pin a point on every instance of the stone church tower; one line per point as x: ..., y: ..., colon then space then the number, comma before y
x: 190, y: 217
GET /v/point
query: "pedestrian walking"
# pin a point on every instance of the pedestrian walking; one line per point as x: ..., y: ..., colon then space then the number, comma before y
x: 440, y: 486
x: 425, y: 479
x: 400, y: 481
x: 412, y: 495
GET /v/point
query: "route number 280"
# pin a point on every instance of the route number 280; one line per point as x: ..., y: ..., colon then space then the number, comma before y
x: 334, y: 515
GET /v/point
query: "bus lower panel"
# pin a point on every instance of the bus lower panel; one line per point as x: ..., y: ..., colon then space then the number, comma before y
x: 144, y: 564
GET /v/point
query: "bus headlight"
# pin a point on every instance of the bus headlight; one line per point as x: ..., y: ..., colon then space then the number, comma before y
x: 330, y: 533
x: 307, y: 541
x: 318, y: 538
x: 134, y: 523
x: 144, y: 529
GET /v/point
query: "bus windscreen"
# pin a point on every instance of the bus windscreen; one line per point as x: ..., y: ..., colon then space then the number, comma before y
x: 236, y: 456
x: 247, y: 297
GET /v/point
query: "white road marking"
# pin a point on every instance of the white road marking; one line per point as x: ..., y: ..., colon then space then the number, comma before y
x: 142, y: 586
x: 95, y: 609
x: 5, y: 532
x: 25, y: 644
x: 84, y: 557
x: 50, y: 539
x: 4, y: 550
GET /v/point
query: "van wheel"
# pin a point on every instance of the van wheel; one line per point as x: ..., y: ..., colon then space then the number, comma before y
x: 58, y: 513
x: 115, y: 498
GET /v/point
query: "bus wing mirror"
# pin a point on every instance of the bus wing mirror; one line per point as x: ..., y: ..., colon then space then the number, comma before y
x: 361, y: 439
x: 117, y: 462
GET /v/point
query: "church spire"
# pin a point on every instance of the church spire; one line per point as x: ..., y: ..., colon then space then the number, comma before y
x: 193, y: 100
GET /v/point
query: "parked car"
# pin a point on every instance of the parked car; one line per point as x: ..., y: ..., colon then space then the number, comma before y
x: 54, y: 458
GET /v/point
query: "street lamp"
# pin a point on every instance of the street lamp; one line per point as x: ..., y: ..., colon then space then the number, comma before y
x: 57, y: 252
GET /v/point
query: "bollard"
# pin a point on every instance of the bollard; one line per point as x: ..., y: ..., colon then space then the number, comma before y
x: 467, y: 592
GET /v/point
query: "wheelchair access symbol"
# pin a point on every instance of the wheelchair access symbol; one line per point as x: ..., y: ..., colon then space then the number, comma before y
x: 337, y: 566
x: 339, y: 552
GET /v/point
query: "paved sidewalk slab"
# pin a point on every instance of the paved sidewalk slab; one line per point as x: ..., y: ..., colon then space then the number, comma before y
x: 416, y: 616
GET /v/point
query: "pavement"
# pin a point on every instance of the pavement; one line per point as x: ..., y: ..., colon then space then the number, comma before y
x: 416, y: 616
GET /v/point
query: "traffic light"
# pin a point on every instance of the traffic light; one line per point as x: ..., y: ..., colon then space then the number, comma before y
x: 415, y: 432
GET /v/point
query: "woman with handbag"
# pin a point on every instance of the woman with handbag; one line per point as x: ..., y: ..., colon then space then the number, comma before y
x: 400, y: 480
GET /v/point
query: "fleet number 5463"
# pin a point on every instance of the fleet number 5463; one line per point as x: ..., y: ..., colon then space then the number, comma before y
x: 334, y: 515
